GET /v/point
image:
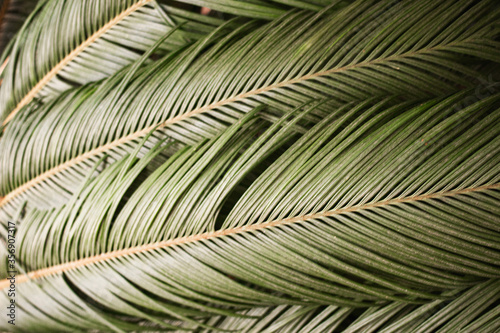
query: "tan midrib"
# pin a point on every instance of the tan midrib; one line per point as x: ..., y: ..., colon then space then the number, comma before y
x: 53, y: 72
x: 4, y: 65
x: 1, y: 71
x: 215, y: 234
x: 143, y: 132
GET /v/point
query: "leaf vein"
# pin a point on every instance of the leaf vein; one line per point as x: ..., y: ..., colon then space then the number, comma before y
x: 72, y: 55
x: 23, y: 188
x: 238, y: 230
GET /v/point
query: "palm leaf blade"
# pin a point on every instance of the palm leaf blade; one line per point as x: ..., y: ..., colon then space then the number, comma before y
x: 332, y: 170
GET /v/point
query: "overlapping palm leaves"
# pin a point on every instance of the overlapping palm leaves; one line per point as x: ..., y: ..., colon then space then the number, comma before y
x: 77, y: 42
x: 331, y: 170
x: 198, y: 95
x: 396, y: 317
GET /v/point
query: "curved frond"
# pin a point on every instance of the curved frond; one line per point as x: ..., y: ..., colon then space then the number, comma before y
x: 344, y: 55
x: 288, y: 166
x: 437, y: 316
x: 90, y: 48
x: 347, y: 212
x: 91, y: 40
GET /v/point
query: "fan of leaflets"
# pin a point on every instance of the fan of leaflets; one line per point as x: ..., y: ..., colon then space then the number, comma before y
x: 290, y: 166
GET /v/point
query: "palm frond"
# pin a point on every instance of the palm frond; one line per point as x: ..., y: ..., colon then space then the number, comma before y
x: 90, y: 40
x: 437, y: 316
x: 311, y: 229
x: 291, y: 166
x: 283, y: 64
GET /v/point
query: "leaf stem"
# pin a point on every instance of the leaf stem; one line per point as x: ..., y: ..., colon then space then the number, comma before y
x: 220, y: 233
x: 53, y: 72
x: 11, y: 195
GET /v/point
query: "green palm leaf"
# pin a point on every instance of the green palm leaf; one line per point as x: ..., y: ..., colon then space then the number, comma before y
x: 90, y: 40
x: 83, y: 50
x: 296, y: 166
x: 246, y: 71
x: 305, y: 226
x: 394, y: 317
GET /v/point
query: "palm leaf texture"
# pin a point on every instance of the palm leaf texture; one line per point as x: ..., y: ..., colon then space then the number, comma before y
x: 156, y: 96
x: 292, y: 166
x: 91, y: 40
